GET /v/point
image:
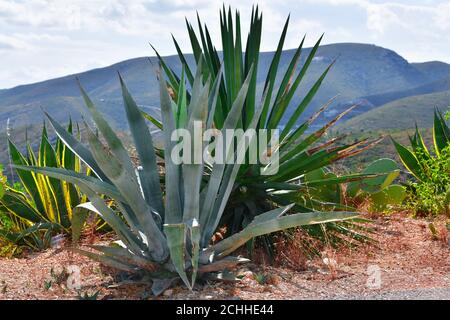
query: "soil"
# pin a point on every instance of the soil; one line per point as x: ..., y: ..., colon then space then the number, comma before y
x: 407, y: 258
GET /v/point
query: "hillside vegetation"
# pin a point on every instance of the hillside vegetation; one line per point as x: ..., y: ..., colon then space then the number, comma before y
x: 360, y: 70
x: 399, y: 114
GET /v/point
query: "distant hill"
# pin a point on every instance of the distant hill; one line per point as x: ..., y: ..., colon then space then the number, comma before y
x: 432, y: 87
x: 399, y: 114
x: 390, y: 91
x: 433, y: 70
x: 361, y: 70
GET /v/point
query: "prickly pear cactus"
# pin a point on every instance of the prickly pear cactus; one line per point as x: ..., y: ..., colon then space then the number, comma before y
x: 379, y: 191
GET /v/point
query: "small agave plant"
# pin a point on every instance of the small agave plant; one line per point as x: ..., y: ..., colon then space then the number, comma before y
x: 166, y: 234
x: 415, y: 158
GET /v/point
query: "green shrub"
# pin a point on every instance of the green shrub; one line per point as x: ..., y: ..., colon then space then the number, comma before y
x: 39, y: 207
x: 430, y: 194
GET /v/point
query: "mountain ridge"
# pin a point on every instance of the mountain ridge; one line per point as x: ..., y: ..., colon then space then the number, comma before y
x: 362, y: 72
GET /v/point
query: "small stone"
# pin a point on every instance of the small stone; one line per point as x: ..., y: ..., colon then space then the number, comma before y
x: 247, y: 274
x: 168, y: 293
x: 329, y: 262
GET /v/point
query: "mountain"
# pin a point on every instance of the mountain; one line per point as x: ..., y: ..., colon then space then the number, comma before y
x: 385, y: 85
x: 399, y: 114
x: 432, y: 87
x: 434, y: 70
x: 360, y: 71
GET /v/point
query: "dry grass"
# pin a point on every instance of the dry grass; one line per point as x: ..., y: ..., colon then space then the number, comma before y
x: 408, y: 256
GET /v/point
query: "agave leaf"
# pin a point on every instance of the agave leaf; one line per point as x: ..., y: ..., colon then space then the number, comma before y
x: 303, y: 162
x: 304, y: 103
x: 173, y: 213
x: 314, y: 183
x: 152, y: 119
x: 130, y: 190
x: 212, y: 103
x: 106, y: 260
x: 173, y: 79
x: 342, y: 179
x: 17, y: 204
x: 280, y: 106
x: 176, y: 241
x: 114, y: 143
x: 161, y: 285
x: 76, y: 147
x: 75, y: 177
x: 288, y: 93
x: 183, y: 60
x: 207, y: 54
x: 419, y: 144
x: 441, y: 133
x: 195, y: 237
x: 294, y: 147
x: 192, y: 172
x: 114, y: 221
x: 192, y: 175
x: 272, y: 222
x: 196, y: 49
x: 125, y: 255
x: 27, y: 178
x: 409, y: 160
x: 270, y: 215
x: 294, y: 137
x: 9, y: 235
x: 39, y: 227
x: 226, y: 263
x: 51, y: 186
x: 228, y: 181
x: 79, y: 217
x: 271, y: 75
x: 181, y: 114
x: 216, y: 182
x: 143, y: 141
x: 252, y: 59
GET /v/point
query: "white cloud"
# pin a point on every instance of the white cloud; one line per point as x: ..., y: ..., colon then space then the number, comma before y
x: 54, y: 37
x: 379, y: 18
x: 442, y: 17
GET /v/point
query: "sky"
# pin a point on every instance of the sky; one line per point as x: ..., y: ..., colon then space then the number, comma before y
x: 43, y: 39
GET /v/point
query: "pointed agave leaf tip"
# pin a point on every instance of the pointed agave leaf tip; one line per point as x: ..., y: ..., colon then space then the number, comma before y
x: 79, y: 83
x: 120, y: 78
x: 154, y: 49
x: 334, y: 61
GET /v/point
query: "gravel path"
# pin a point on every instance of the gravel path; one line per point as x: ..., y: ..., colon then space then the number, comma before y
x: 418, y: 294
x: 407, y: 261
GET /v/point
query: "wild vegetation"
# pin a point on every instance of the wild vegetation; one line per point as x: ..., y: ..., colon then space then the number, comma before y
x: 430, y: 193
x: 38, y: 207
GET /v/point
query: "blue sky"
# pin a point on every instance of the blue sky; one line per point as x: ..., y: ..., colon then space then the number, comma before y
x: 42, y: 39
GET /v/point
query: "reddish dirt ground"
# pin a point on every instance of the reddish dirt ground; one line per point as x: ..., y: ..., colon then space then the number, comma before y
x: 407, y: 257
